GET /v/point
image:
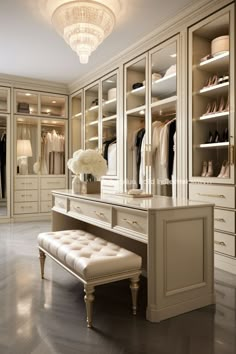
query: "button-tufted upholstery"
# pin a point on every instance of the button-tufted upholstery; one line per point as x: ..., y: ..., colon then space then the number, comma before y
x: 92, y: 260
x: 88, y: 255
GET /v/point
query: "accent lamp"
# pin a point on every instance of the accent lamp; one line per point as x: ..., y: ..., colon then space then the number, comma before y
x: 84, y: 24
x: 23, y: 151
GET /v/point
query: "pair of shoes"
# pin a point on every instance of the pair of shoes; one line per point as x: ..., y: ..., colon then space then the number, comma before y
x: 207, y: 169
x: 223, y: 79
x: 225, y: 136
x: 212, y: 80
x: 213, y: 139
x: 211, y: 108
x: 225, y: 169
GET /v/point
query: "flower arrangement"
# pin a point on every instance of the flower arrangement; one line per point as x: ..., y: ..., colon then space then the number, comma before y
x: 89, y: 162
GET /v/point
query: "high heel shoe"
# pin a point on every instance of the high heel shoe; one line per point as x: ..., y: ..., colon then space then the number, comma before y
x: 222, y: 170
x: 204, y: 169
x: 210, y: 171
x: 227, y: 171
x: 210, y: 138
x: 227, y: 106
x: 216, y: 137
x: 208, y: 109
x: 214, y: 107
x: 225, y: 135
x: 221, y: 105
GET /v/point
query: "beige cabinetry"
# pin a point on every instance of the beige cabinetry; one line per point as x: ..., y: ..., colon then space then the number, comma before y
x: 211, y: 112
x: 93, y: 123
x: 40, y: 151
x: 151, y: 93
x: 4, y: 153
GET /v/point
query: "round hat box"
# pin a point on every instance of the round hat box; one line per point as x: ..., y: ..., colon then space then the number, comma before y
x: 219, y: 45
x: 111, y: 94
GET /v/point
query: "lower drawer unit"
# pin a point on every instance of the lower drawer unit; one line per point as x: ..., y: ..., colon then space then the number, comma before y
x: 26, y: 208
x: 135, y: 221
x: 60, y: 203
x: 45, y: 207
x: 52, y: 183
x: 224, y: 220
x: 25, y: 183
x: 223, y: 196
x: 26, y: 196
x: 97, y: 211
x: 224, y: 243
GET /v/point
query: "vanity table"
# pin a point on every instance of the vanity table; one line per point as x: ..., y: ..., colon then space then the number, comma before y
x: 174, y: 237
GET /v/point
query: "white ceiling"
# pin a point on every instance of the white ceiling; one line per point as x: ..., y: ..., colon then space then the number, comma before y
x: 31, y: 47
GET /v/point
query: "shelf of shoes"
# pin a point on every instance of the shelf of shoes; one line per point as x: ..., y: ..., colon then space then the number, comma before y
x: 215, y: 64
x: 218, y: 89
x: 223, y: 144
x: 214, y: 116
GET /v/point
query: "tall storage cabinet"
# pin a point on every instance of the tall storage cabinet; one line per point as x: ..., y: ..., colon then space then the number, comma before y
x: 212, y: 130
x: 40, y: 150
x: 4, y: 153
x: 93, y: 124
x: 151, y: 109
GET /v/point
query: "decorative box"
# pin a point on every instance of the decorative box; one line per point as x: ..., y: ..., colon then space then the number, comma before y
x: 90, y: 187
x: 219, y: 45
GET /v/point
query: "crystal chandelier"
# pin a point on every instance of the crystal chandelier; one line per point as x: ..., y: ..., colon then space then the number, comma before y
x: 84, y: 24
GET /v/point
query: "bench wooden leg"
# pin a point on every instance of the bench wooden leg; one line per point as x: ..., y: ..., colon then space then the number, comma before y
x: 134, y: 286
x: 89, y: 298
x: 42, y: 258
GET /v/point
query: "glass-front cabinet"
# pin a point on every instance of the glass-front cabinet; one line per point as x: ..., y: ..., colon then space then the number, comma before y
x: 92, y: 113
x: 150, y: 120
x: 43, y: 104
x: 76, y: 123
x: 211, y: 106
x: 4, y: 166
x: 39, y: 151
x: 4, y: 99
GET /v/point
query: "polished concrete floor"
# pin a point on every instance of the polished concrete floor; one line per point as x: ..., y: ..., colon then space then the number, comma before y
x: 48, y: 317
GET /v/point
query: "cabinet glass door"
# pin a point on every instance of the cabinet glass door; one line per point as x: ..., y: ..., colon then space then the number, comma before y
x: 4, y: 166
x: 92, y: 117
x: 26, y: 102
x: 4, y: 100
x: 135, y: 123
x: 163, y: 82
x: 211, y: 104
x: 54, y: 106
x: 52, y: 147
x: 26, y: 145
x: 76, y: 123
x: 109, y: 123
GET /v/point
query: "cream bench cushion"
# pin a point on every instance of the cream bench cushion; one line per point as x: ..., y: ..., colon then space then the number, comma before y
x: 91, y: 259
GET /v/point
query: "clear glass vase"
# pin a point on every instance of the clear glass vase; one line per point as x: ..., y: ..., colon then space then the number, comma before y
x: 76, y: 184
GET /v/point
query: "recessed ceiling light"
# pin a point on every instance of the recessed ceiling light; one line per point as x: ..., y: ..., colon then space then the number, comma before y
x: 48, y: 110
x: 54, y: 101
x: 28, y: 94
x: 173, y: 55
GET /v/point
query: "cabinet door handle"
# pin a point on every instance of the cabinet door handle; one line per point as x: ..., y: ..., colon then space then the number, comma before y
x: 220, y: 243
x: 219, y: 220
x: 99, y: 214
x: 212, y: 195
x: 26, y: 195
x: 132, y: 222
x: 26, y: 183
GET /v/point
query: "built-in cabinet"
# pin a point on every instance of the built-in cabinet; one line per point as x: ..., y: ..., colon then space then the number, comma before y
x: 212, y: 130
x: 40, y: 151
x: 5, y: 109
x: 93, y: 123
x: 150, y: 120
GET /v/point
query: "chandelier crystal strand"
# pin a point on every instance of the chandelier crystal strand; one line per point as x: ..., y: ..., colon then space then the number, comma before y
x: 83, y: 25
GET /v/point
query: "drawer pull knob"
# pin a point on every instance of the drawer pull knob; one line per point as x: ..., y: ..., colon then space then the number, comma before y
x: 220, y: 243
x: 99, y: 214
x: 219, y: 220
x: 212, y: 195
x: 26, y: 195
x: 76, y: 208
x: 132, y: 222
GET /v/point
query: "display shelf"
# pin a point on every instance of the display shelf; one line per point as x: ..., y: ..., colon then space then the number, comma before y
x: 93, y: 108
x: 95, y: 122
x: 165, y: 105
x: 110, y: 119
x: 212, y: 91
x: 162, y: 87
x: 136, y: 111
x: 110, y: 106
x: 216, y: 64
x: 77, y: 115
x: 215, y: 116
x: 214, y: 145
x: 94, y: 138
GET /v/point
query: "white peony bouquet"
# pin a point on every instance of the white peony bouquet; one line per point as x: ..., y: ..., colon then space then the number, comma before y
x: 89, y: 162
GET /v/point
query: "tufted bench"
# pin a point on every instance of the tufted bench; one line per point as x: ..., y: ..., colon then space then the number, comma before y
x: 92, y: 260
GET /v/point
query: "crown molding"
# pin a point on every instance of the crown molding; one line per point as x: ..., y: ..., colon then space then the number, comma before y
x: 188, y: 16
x: 32, y: 84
